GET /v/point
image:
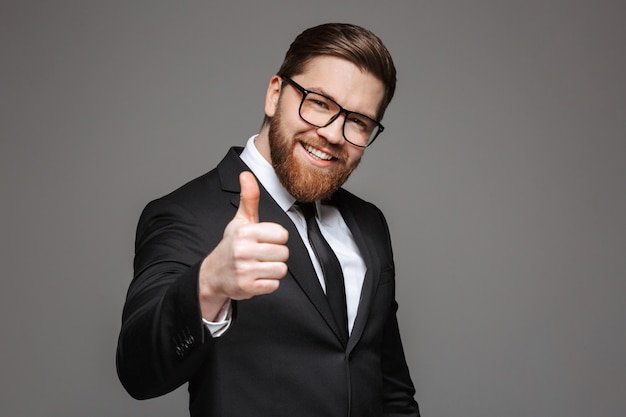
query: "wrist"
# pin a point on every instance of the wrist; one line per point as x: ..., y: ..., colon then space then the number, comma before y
x: 212, y: 300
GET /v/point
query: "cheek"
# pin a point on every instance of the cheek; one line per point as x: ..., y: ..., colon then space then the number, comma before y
x: 290, y: 121
x: 354, y: 154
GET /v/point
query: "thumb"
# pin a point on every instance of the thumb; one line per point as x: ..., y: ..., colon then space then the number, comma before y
x: 249, y: 197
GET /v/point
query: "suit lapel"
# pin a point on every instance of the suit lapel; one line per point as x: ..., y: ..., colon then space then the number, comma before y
x: 299, y: 263
x: 367, y: 246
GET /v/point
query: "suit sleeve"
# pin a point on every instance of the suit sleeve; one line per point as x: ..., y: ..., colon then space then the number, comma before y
x: 163, y: 340
x: 398, y: 389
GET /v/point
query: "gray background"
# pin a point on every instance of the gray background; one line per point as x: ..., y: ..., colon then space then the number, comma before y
x: 501, y: 172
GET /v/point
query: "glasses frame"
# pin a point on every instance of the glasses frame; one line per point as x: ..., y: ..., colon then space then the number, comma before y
x: 305, y: 92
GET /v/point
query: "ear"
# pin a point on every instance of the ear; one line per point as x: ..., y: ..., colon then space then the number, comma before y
x: 272, y: 95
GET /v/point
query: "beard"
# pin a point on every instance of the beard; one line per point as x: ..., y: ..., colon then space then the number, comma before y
x: 306, y: 183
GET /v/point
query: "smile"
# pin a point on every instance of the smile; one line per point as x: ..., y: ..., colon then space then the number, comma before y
x: 317, y: 153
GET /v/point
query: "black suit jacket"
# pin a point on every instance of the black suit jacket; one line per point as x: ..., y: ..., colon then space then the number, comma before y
x: 282, y: 355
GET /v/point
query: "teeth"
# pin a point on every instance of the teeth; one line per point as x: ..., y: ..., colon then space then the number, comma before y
x: 318, y: 153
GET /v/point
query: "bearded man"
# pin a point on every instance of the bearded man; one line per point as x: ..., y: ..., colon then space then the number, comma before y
x: 263, y: 284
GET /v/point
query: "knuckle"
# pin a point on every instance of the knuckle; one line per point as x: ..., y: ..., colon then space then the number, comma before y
x: 243, y: 232
x: 268, y: 286
x: 242, y: 270
x: 241, y: 250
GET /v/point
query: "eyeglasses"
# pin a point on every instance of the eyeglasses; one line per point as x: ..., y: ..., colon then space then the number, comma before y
x: 320, y: 111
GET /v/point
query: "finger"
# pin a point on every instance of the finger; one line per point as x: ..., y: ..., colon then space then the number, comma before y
x: 248, y: 197
x: 270, y: 271
x: 267, y: 252
x: 267, y: 276
x: 268, y: 232
x: 265, y: 286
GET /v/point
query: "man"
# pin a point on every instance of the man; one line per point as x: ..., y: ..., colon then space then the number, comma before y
x: 236, y: 292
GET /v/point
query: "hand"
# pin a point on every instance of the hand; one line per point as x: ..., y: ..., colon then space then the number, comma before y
x: 250, y: 258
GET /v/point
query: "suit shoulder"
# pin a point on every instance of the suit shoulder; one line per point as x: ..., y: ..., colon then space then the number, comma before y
x: 362, y: 211
x: 344, y: 197
x: 211, y: 181
x: 188, y: 194
x: 195, y: 187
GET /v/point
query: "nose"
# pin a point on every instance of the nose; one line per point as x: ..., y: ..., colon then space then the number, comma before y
x: 333, y: 133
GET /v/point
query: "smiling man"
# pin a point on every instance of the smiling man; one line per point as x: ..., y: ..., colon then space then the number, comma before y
x: 263, y: 284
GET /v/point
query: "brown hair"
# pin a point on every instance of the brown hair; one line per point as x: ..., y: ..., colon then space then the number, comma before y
x: 353, y: 43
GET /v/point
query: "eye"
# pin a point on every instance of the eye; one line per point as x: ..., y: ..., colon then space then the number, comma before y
x: 320, y: 103
x: 360, y: 122
x: 317, y: 102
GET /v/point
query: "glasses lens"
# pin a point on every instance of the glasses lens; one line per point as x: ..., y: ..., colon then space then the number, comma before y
x: 359, y: 129
x: 320, y: 111
x: 317, y: 109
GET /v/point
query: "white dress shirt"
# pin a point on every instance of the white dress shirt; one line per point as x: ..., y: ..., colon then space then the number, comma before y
x: 332, y: 226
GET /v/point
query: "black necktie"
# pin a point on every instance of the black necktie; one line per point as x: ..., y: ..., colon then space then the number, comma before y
x: 333, y: 276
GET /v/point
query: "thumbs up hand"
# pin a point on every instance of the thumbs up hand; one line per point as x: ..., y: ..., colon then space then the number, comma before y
x: 250, y: 258
x: 248, y: 198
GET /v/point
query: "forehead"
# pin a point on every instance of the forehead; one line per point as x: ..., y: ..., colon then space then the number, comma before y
x: 344, y: 82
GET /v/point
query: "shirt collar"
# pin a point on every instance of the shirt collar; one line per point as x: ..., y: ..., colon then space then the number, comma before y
x: 266, y: 175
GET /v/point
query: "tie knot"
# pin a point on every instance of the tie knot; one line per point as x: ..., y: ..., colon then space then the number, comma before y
x: 307, y: 209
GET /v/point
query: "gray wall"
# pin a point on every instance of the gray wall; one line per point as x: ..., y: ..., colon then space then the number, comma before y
x: 501, y: 172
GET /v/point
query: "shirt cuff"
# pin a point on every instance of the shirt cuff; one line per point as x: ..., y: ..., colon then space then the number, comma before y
x: 222, y: 321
